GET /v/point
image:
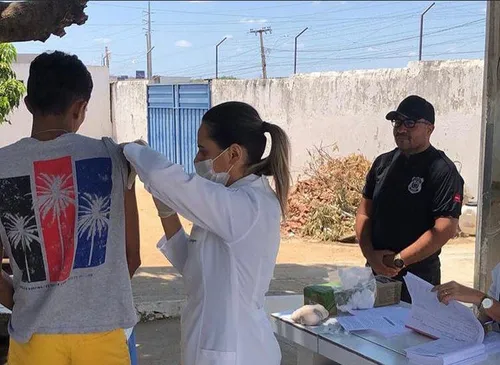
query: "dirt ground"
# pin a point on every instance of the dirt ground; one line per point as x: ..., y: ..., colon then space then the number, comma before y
x: 457, y: 257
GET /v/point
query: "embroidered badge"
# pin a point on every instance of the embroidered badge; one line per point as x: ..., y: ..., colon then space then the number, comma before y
x: 415, y: 185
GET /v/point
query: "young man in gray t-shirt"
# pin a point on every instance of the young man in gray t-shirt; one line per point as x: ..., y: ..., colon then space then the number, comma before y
x: 70, y: 228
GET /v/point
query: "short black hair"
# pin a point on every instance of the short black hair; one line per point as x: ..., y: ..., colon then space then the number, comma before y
x: 56, y: 81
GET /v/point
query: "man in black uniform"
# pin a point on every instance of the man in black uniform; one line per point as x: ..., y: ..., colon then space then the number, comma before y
x: 411, y: 201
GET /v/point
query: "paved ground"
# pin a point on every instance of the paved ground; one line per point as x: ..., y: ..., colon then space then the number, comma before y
x: 158, y: 344
x: 158, y: 287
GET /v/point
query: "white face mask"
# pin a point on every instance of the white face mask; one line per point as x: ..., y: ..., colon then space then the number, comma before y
x: 206, y: 170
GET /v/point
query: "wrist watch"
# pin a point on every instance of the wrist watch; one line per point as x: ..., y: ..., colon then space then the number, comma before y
x: 486, y: 303
x: 398, y: 261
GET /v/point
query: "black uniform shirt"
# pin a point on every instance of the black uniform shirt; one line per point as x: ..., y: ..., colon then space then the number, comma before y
x: 409, y: 193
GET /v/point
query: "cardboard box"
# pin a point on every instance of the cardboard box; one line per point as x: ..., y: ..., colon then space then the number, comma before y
x: 322, y: 294
x: 388, y: 293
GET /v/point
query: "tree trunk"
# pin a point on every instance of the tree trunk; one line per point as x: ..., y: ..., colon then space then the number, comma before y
x: 37, y: 20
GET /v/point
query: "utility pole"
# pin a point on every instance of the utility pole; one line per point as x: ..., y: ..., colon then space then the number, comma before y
x: 295, y: 51
x: 262, y: 31
x: 148, y: 44
x: 217, y: 57
x: 422, y: 30
x: 106, y: 57
x: 488, y: 239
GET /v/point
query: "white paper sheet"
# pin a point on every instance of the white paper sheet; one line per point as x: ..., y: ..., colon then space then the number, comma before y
x: 472, y: 361
x: 355, y: 323
x: 444, y: 352
x: 389, y: 311
x: 454, y: 321
x: 396, y: 316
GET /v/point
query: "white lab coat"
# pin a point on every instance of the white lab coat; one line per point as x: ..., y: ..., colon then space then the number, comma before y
x: 227, y: 262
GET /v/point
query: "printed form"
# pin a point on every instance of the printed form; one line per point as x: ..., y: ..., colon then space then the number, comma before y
x: 455, y: 321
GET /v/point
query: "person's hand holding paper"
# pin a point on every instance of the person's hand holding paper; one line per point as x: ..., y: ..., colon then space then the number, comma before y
x: 430, y: 317
x: 455, y: 291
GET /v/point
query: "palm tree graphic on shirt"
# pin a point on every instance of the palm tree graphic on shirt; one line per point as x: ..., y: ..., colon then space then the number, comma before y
x: 55, y: 196
x: 93, y: 217
x: 21, y: 231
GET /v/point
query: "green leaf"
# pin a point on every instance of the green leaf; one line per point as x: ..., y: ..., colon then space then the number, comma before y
x: 11, y: 90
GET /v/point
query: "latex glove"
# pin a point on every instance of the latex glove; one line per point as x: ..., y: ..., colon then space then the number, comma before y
x: 310, y: 315
x: 164, y: 211
x: 145, y: 160
x: 132, y: 174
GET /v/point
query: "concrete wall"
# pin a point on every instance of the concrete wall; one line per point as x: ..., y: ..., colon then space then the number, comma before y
x: 129, y: 110
x: 97, y: 122
x: 349, y: 108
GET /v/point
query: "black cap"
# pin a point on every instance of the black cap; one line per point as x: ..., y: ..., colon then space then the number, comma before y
x: 413, y: 107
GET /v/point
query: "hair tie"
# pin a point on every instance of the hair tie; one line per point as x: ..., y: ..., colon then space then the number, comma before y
x: 264, y: 127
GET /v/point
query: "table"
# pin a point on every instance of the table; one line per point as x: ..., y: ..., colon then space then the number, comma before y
x: 315, y: 347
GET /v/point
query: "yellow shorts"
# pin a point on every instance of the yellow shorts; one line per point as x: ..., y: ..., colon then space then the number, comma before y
x: 104, y: 348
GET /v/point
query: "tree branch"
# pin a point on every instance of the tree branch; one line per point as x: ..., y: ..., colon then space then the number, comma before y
x: 37, y: 20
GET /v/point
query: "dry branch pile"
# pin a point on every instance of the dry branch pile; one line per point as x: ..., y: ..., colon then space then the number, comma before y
x: 324, y: 204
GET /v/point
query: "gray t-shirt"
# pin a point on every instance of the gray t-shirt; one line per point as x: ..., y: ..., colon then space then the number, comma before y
x: 62, y: 223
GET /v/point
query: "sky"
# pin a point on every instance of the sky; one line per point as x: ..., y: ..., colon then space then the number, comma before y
x: 341, y: 35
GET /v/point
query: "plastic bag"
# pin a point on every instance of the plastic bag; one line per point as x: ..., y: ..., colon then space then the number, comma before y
x: 358, y: 291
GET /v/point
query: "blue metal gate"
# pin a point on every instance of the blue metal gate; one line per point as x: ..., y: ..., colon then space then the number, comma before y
x: 174, y: 115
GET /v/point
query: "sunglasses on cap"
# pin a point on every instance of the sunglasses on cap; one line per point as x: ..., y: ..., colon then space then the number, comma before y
x: 408, y: 123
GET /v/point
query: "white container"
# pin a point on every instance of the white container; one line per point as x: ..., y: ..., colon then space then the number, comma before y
x: 467, y: 221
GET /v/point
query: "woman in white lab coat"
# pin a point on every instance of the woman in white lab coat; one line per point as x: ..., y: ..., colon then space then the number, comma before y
x: 228, y: 260
x: 487, y: 303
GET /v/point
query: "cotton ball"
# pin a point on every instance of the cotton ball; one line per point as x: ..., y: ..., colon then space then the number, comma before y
x: 363, y: 299
x: 310, y: 315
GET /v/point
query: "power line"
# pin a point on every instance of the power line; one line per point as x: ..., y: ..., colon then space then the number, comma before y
x: 334, y: 10
x: 208, y: 64
x: 394, y: 40
x: 338, y: 29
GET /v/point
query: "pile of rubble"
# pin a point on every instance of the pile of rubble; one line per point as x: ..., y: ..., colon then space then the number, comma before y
x: 323, y: 203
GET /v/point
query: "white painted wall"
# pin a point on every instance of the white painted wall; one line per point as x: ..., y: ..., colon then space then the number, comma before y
x: 129, y: 110
x: 349, y: 108
x: 97, y: 122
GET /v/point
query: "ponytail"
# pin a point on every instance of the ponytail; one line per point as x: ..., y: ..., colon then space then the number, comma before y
x: 277, y: 164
